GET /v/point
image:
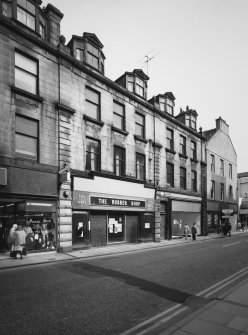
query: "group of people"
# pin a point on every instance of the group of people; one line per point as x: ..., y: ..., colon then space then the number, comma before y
x: 226, y: 229
x: 31, y: 235
x: 186, y: 231
x: 16, y: 240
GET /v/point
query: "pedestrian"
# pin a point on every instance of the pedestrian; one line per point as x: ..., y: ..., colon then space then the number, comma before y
x: 186, y: 231
x: 19, y: 241
x: 194, y: 232
x: 11, y: 239
x: 229, y: 228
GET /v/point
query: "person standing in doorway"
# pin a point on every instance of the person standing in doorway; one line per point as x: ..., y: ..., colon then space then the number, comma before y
x: 186, y: 231
x: 194, y: 232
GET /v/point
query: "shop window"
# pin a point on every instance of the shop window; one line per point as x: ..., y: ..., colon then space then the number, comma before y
x: 182, y: 145
x: 26, y: 13
x: 119, y: 161
x: 7, y: 8
x: 212, y: 189
x: 140, y: 166
x: 116, y: 228
x: 170, y: 139
x: 212, y: 163
x: 140, y: 125
x: 193, y: 150
x: 119, y: 116
x: 26, y: 138
x: 170, y: 174
x: 93, y: 104
x: 93, y: 154
x: 182, y: 178
x: 193, y: 181
x: 26, y: 73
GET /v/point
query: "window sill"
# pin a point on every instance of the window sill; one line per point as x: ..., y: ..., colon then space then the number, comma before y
x: 117, y: 130
x: 90, y: 119
x: 170, y: 151
x: 26, y: 94
x: 141, y: 139
x: 194, y: 160
x: 183, y: 156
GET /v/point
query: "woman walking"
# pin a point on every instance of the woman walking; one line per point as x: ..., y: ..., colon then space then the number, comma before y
x: 20, y: 240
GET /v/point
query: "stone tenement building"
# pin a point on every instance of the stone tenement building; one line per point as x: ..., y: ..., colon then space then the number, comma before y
x: 85, y: 160
x: 222, y: 195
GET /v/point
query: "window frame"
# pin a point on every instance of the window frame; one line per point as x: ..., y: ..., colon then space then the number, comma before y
x: 90, y: 55
x: 139, y: 86
x: 20, y: 69
x: 37, y: 138
x: 98, y: 111
x: 212, y: 163
x: 169, y: 140
x: 138, y: 165
x: 222, y: 170
x: 122, y: 161
x: 230, y: 171
x: 193, y: 150
x: 170, y: 174
x: 95, y: 154
x: 122, y: 117
x: 183, y: 149
x: 142, y: 126
x: 194, y: 180
x: 27, y: 12
x: 169, y: 106
x: 183, y: 178
x: 222, y: 191
x: 212, y: 189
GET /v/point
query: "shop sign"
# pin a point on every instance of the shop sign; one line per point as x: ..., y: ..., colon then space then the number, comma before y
x: 226, y: 213
x: 102, y: 201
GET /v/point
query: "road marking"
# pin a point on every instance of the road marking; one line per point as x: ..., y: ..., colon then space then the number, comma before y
x: 223, y: 282
x: 135, y: 329
x: 163, y: 317
x: 228, y: 245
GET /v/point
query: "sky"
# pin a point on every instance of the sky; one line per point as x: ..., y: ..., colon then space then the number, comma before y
x: 197, y: 49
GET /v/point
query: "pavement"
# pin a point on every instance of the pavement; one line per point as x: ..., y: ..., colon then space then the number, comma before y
x: 227, y: 315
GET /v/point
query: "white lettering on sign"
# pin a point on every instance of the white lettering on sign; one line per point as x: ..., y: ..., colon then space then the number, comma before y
x: 102, y: 201
x: 135, y: 203
x: 118, y: 202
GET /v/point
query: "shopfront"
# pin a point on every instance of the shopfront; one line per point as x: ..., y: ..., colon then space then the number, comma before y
x: 37, y: 218
x: 176, y: 210
x: 107, y: 218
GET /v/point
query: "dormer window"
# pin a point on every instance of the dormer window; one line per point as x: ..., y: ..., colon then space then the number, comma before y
x: 26, y: 13
x: 162, y: 104
x: 130, y: 83
x: 92, y: 56
x: 140, y: 87
x: 7, y: 8
x: 88, y: 49
x: 42, y: 26
x: 169, y: 106
x: 79, y: 54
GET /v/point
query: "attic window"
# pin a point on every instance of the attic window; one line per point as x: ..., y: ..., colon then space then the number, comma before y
x: 93, y: 56
x: 162, y: 104
x: 169, y: 106
x: 190, y: 121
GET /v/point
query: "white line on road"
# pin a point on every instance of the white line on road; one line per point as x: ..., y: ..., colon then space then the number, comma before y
x: 135, y: 329
x: 228, y: 245
x: 221, y: 283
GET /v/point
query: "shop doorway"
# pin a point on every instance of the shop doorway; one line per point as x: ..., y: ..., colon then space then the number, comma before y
x: 80, y: 230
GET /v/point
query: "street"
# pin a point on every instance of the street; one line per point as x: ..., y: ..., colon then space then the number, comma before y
x: 109, y: 295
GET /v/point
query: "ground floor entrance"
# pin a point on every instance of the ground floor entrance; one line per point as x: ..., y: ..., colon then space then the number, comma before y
x: 36, y: 217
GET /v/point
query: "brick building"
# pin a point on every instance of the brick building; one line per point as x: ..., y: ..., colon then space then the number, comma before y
x: 85, y: 160
x: 222, y: 198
